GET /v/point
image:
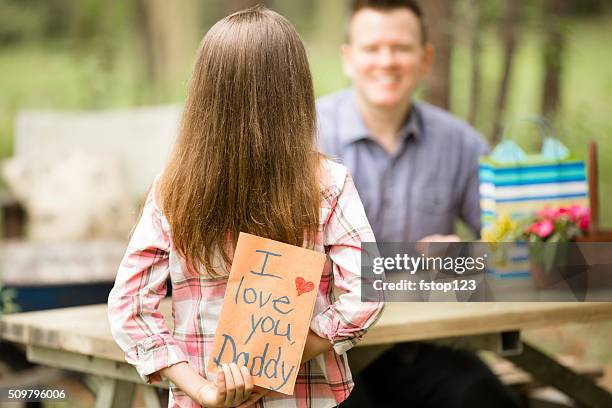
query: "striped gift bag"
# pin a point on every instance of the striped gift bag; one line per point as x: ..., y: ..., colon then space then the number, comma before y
x: 517, y: 184
x: 521, y: 190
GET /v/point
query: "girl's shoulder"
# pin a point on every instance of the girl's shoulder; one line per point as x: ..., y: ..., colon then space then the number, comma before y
x: 333, y: 174
x: 153, y: 197
x: 333, y: 178
x: 152, y: 205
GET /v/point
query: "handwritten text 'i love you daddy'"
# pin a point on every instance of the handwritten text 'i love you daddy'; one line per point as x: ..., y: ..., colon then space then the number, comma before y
x: 267, y: 309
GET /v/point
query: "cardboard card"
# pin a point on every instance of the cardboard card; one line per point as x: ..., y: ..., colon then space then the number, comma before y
x: 267, y: 310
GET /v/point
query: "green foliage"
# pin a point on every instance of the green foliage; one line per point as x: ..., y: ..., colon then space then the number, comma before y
x: 20, y: 21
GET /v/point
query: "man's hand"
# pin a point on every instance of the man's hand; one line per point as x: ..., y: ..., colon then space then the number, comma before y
x: 440, y: 238
x: 233, y: 386
x: 424, y: 247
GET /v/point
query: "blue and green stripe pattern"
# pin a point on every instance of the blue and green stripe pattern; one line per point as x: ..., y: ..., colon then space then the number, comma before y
x: 522, y: 189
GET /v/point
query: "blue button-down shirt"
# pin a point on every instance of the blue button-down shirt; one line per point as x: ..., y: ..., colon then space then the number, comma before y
x: 420, y: 189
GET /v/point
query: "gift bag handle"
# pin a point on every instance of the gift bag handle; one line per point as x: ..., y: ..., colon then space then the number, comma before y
x: 508, y: 151
x: 546, y: 129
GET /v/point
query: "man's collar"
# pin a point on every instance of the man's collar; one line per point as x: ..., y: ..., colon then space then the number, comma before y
x: 351, y: 127
x: 412, y: 126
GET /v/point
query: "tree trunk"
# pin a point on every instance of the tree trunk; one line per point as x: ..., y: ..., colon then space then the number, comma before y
x: 475, y: 49
x: 509, y: 44
x: 439, y: 16
x: 554, y: 46
x: 145, y: 32
x: 168, y: 34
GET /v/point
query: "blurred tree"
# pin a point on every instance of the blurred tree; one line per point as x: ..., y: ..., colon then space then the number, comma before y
x: 145, y: 23
x: 587, y: 7
x: 508, y: 36
x: 17, y: 23
x: 168, y: 33
x: 475, y: 51
x: 96, y: 37
x: 22, y: 20
x: 92, y: 19
x: 554, y: 45
x: 439, y: 17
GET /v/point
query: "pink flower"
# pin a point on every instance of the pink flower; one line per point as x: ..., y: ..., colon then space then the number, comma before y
x: 565, y: 218
x: 542, y: 228
x: 547, y: 212
x: 561, y: 212
x: 585, y: 221
x: 578, y: 212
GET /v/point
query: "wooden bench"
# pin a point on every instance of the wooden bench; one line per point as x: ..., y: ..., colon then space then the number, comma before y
x: 535, y: 393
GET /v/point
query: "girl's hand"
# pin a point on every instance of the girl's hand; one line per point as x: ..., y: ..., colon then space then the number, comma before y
x: 232, y: 387
x: 256, y: 395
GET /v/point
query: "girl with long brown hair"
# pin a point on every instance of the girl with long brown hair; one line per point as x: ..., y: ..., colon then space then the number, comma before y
x: 245, y: 160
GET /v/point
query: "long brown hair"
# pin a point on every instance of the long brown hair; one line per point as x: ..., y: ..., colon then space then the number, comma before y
x: 245, y: 157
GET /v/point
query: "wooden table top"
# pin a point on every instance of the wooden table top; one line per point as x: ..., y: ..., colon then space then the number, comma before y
x: 85, y: 329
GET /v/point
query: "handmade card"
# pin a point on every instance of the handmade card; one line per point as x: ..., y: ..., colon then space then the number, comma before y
x: 267, y: 309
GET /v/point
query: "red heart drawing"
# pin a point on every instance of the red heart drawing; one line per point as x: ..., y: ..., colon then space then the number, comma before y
x: 303, y: 285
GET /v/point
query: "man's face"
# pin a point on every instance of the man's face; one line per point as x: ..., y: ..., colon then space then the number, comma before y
x: 385, y: 56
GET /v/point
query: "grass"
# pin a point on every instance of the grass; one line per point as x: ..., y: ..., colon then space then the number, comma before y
x: 57, y: 75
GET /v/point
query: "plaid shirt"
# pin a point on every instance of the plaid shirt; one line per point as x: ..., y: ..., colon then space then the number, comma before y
x: 140, y: 330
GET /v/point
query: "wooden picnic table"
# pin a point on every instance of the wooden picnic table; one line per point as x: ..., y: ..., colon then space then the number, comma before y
x: 79, y: 339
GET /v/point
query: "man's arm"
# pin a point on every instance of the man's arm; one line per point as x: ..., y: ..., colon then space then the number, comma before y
x: 469, y: 206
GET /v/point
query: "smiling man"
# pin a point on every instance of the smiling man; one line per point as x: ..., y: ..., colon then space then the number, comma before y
x: 416, y: 170
x: 415, y: 166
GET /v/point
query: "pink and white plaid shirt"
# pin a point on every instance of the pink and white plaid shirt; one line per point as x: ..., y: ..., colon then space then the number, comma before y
x: 140, y: 330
